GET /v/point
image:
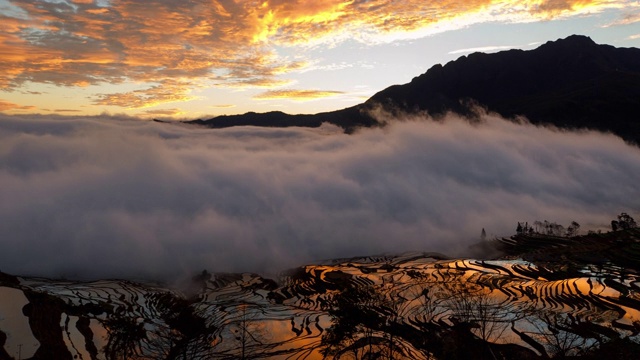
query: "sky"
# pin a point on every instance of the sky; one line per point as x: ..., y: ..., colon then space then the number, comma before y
x: 201, y: 58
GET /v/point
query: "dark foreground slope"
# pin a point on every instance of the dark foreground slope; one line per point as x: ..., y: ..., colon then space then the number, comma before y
x: 569, y: 83
x: 551, y: 297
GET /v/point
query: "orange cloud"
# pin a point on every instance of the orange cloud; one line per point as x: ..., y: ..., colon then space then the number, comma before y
x: 66, y: 110
x: 303, y: 21
x: 164, y: 112
x: 226, y: 43
x: 298, y: 95
x: 6, y: 105
x: 165, y: 92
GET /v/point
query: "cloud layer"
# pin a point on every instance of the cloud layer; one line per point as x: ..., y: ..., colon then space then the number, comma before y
x: 174, y: 47
x: 117, y: 197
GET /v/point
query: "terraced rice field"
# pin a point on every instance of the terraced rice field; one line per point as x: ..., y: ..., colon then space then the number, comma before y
x: 523, y: 299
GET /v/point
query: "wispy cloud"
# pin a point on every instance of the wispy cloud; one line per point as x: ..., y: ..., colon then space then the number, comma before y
x: 482, y: 49
x: 82, y: 43
x: 164, y: 112
x: 7, y: 105
x: 117, y: 197
x: 167, y: 91
x: 627, y: 19
x: 297, y: 95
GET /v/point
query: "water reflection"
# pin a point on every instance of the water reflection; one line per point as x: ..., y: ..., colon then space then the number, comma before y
x: 19, y: 338
x: 493, y: 304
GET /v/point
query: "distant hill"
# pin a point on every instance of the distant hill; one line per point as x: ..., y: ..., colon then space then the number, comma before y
x: 568, y: 83
x: 349, y: 119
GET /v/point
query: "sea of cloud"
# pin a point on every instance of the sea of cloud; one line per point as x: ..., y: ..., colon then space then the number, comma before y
x: 116, y: 197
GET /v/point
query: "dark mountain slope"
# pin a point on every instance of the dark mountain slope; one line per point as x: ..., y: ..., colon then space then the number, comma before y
x: 348, y: 119
x: 569, y: 83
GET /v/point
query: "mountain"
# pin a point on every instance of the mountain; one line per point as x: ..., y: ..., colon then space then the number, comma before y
x: 349, y: 119
x: 550, y: 297
x: 570, y: 83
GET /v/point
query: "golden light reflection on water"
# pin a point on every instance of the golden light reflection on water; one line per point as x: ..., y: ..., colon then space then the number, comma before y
x: 415, y: 291
x: 13, y: 323
x: 280, y: 331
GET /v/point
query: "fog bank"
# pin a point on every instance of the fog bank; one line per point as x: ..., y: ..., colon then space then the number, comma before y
x: 91, y: 197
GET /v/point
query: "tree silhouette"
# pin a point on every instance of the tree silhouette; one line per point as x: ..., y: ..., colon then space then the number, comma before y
x: 125, y: 336
x: 486, y: 314
x: 248, y: 331
x: 557, y: 333
x: 365, y: 322
x: 614, y: 225
x: 242, y: 335
x: 538, y: 225
x: 572, y: 230
x: 625, y: 222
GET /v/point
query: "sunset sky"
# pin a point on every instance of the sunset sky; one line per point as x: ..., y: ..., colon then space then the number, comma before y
x: 199, y: 58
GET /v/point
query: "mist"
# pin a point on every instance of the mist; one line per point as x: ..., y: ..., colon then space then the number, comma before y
x: 108, y: 197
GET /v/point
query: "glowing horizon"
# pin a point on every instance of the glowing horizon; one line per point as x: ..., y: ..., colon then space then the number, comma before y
x: 175, y: 59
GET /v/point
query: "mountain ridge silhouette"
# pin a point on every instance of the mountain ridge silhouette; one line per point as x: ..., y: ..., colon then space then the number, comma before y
x: 570, y: 83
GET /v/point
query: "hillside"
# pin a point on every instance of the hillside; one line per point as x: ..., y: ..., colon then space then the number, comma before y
x: 547, y: 297
x: 568, y: 83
